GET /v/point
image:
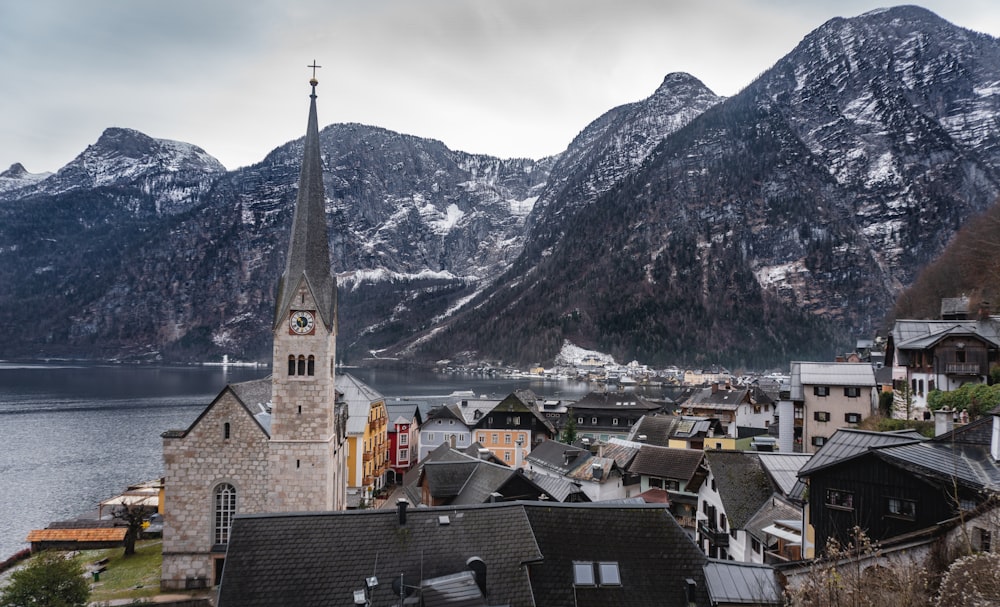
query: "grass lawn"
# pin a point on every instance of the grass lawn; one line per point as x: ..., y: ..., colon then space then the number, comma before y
x: 135, y: 577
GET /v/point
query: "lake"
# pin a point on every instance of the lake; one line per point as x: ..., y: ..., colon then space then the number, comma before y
x: 72, y: 435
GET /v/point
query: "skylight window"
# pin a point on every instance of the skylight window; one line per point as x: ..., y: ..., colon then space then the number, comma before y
x: 609, y: 574
x: 583, y: 574
x: 588, y: 573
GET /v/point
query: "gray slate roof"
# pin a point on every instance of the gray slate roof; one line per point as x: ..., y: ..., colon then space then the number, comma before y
x: 656, y: 428
x: 920, y: 334
x: 742, y: 483
x: 783, y: 469
x: 829, y: 374
x: 359, y: 397
x: 666, y: 462
x: 847, y: 443
x: 730, y: 582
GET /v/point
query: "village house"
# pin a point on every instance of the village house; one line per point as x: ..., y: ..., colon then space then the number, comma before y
x: 821, y: 398
x: 403, y: 432
x: 447, y: 424
x: 367, y: 439
x: 600, y: 416
x: 600, y: 478
x: 741, y: 497
x: 739, y: 409
x: 928, y: 355
x: 513, y: 427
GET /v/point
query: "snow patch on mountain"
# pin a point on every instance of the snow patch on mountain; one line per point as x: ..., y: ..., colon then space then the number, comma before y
x: 571, y: 355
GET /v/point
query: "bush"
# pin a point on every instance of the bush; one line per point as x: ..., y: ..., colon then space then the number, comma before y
x: 49, y: 580
x: 972, y: 581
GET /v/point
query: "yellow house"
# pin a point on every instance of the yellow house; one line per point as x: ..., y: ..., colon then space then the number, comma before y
x: 367, y: 439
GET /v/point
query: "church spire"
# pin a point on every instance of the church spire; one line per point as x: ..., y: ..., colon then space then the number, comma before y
x: 308, y: 246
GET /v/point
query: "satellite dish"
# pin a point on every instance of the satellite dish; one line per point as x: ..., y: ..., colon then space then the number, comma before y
x: 399, y: 586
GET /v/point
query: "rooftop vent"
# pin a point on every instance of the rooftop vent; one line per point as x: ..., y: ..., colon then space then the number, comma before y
x: 444, y: 520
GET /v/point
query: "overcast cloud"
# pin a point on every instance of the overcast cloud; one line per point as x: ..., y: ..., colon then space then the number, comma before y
x: 501, y: 77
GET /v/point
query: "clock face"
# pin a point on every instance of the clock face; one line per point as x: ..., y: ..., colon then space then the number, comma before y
x: 302, y: 322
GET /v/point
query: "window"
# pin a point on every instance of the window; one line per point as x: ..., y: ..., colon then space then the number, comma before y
x: 982, y: 538
x: 291, y: 364
x: 670, y: 485
x: 430, y: 436
x: 818, y: 441
x: 506, y: 456
x: 225, y: 430
x: 579, y: 421
x: 311, y: 365
x: 506, y: 438
x: 496, y: 439
x: 960, y: 356
x: 593, y: 420
x: 301, y: 366
x: 852, y: 391
x: 517, y: 420
x: 608, y: 574
x: 404, y: 439
x: 404, y: 455
x: 583, y: 574
x: 852, y: 418
x: 225, y: 510
x: 900, y: 508
x: 821, y: 416
x: 755, y: 545
x: 821, y: 390
x: 656, y: 483
x: 614, y: 421
x: 840, y: 500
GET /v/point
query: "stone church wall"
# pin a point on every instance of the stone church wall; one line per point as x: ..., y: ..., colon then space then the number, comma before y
x: 195, y: 464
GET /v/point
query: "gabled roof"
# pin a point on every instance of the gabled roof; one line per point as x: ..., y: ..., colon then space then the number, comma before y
x: 319, y: 559
x: 657, y: 429
x: 615, y: 401
x: 847, y: 443
x: 403, y: 412
x: 969, y: 465
x: 666, y: 462
x: 695, y: 426
x: 562, y: 489
x: 919, y: 334
x: 735, y: 583
x: 556, y: 456
x: 653, y: 553
x: 359, y: 398
x: 622, y: 451
x: 783, y: 469
x: 829, y: 374
x: 773, y: 510
x: 252, y: 389
x: 308, y: 246
x: 742, y: 483
x: 718, y: 398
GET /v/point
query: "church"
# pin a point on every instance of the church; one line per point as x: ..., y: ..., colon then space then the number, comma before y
x: 275, y: 444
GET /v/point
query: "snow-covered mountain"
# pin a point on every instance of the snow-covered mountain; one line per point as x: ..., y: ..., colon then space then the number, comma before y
x: 17, y: 177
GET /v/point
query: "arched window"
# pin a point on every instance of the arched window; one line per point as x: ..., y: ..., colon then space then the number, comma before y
x: 224, y: 503
x: 311, y: 366
x: 302, y: 365
x: 291, y: 364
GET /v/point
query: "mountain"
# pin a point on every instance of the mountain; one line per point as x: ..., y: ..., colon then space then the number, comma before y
x: 779, y: 223
x: 17, y: 177
x: 684, y: 228
x: 146, y: 249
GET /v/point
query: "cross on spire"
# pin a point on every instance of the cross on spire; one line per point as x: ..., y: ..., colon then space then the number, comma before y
x: 313, y: 80
x: 314, y: 66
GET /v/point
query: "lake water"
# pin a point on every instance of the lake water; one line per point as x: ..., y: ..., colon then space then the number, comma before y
x: 73, y: 435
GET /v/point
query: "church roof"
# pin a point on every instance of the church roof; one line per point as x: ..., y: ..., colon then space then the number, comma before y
x: 309, y: 246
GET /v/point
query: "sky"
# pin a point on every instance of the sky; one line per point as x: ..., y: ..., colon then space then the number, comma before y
x: 508, y: 78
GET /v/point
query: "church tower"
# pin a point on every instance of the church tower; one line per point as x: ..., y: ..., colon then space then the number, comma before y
x: 305, y: 459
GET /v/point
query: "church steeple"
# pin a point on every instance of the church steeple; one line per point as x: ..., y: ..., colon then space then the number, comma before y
x: 308, y: 246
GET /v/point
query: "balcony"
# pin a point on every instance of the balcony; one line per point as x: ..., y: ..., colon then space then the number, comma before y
x: 368, y: 456
x: 719, y: 539
x: 962, y: 368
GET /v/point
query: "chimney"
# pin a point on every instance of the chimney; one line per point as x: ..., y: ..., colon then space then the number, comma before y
x: 518, y: 453
x: 597, y: 471
x: 401, y: 505
x: 715, y: 387
x: 984, y: 310
x: 484, y: 453
x: 943, y: 419
x: 478, y: 567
